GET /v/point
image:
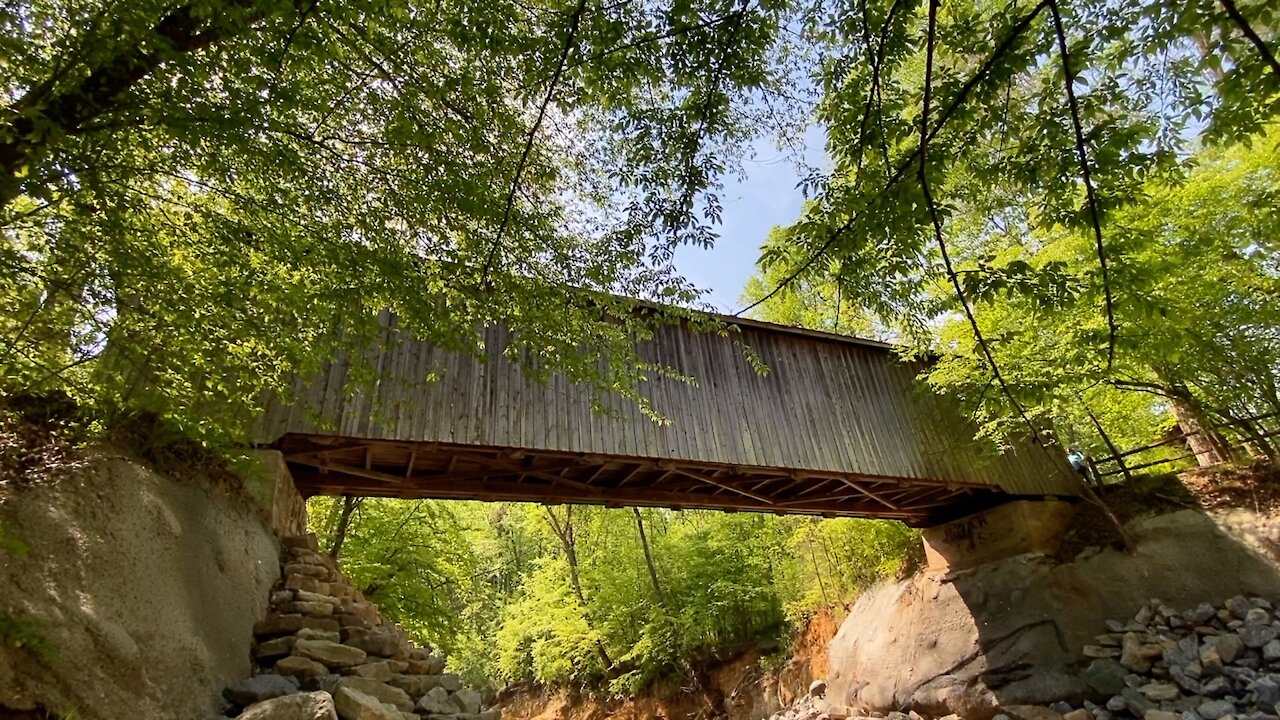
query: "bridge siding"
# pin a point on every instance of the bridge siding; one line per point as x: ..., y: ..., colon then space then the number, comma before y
x: 825, y: 405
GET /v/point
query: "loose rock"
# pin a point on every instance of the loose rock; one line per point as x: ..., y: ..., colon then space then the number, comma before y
x: 304, y: 706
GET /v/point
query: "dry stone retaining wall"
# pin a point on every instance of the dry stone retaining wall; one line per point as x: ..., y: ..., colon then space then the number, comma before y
x: 325, y: 652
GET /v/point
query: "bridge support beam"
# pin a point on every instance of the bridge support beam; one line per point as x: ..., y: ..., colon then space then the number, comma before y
x: 271, y: 486
x: 1020, y: 527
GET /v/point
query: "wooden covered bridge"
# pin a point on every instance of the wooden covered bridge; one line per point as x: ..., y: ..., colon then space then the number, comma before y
x: 837, y: 427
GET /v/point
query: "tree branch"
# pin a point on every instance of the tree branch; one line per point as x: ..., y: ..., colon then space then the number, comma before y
x: 574, y: 23
x: 900, y: 172
x: 1082, y: 154
x: 181, y: 32
x: 1247, y: 30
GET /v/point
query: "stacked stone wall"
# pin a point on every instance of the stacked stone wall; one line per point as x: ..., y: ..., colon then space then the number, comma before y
x: 324, y: 652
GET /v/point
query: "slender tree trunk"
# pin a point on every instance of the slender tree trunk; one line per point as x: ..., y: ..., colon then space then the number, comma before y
x: 826, y: 599
x: 648, y: 558
x: 1259, y: 446
x: 564, y: 531
x: 1115, y: 452
x: 349, y: 503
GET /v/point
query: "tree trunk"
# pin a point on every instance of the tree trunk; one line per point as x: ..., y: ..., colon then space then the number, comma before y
x: 1115, y: 451
x: 1204, y: 440
x: 1259, y: 446
x: 1202, y: 437
x: 648, y: 558
x: 344, y: 523
x: 564, y: 531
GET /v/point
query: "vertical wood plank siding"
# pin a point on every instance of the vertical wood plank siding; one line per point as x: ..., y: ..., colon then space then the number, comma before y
x: 826, y: 404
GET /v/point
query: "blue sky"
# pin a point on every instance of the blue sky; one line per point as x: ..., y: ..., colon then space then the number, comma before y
x: 768, y: 196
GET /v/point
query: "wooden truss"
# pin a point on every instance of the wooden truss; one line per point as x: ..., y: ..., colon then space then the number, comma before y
x: 326, y: 465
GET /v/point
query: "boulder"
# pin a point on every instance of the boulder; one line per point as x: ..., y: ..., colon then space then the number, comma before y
x: 332, y: 654
x: 290, y: 624
x: 1229, y: 647
x: 315, y: 634
x: 1271, y: 651
x: 1214, y: 709
x: 450, y: 682
x: 303, y: 607
x: 1106, y: 677
x: 300, y: 667
x: 468, y: 700
x: 380, y: 671
x: 319, y: 572
x: 1160, y: 691
x: 1256, y: 635
x: 355, y: 705
x: 258, y: 688
x: 437, y: 702
x: 304, y: 596
x: 1239, y: 606
x: 306, y: 582
x: 275, y: 647
x: 303, y: 706
x: 383, y: 692
x: 382, y: 641
x: 1138, y: 651
x: 327, y: 683
x: 415, y: 685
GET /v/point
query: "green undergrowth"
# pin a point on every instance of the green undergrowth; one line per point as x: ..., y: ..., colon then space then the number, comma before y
x: 22, y: 633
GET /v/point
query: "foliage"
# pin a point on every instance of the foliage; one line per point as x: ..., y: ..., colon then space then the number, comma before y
x: 411, y: 557
x: 972, y: 143
x: 840, y: 557
x: 1196, y: 289
x: 829, y: 302
x: 492, y: 585
x: 198, y: 200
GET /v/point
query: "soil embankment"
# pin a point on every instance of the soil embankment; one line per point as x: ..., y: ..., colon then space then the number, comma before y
x: 738, y: 688
x: 126, y: 593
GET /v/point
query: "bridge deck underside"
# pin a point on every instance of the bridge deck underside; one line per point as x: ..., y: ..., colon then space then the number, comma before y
x: 327, y: 465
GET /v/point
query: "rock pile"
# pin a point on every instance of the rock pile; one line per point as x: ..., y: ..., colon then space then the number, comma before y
x: 1207, y: 663
x: 324, y: 652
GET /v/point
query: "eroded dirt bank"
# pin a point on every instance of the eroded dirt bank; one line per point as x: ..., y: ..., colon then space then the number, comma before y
x: 738, y: 688
x: 132, y: 594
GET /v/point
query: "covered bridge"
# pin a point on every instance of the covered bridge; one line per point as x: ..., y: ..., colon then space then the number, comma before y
x: 837, y: 427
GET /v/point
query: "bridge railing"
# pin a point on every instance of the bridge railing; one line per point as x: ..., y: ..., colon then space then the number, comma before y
x: 1250, y: 432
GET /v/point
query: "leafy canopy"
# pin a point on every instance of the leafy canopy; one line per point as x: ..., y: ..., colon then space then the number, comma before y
x: 199, y: 200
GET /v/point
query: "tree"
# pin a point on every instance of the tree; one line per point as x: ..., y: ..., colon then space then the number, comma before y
x: 198, y: 200
x: 954, y: 127
x: 1196, y: 284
